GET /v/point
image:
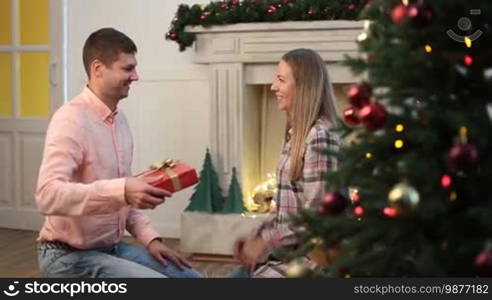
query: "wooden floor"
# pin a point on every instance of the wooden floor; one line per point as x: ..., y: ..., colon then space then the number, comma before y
x: 18, y: 256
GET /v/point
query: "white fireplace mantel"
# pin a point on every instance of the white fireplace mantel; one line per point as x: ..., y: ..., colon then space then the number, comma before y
x: 246, y: 54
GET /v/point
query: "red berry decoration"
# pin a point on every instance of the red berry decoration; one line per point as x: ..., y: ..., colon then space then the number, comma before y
x: 172, y: 35
x: 373, y: 116
x: 351, y: 117
x: 483, y: 263
x: 399, y: 13
x: 462, y: 156
x: 359, y: 94
x: 359, y: 211
x: 355, y: 197
x: 390, y: 212
x: 332, y: 203
x: 420, y: 13
x: 271, y: 9
x: 446, y: 181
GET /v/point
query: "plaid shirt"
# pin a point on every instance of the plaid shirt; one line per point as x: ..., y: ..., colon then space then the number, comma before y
x: 295, y: 195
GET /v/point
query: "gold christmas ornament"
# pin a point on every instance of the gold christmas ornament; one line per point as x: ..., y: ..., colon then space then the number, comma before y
x: 261, y: 200
x: 319, y: 255
x: 296, y: 270
x: 404, y: 196
x: 316, y: 241
x: 323, y: 257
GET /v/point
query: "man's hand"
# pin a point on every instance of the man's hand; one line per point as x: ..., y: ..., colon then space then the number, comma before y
x: 164, y: 254
x: 142, y: 195
x: 249, y: 250
x: 238, y: 246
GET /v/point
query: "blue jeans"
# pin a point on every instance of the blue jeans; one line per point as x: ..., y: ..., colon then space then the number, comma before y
x: 123, y: 260
x: 240, y: 272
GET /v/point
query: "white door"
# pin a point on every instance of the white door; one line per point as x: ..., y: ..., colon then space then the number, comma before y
x: 32, y: 80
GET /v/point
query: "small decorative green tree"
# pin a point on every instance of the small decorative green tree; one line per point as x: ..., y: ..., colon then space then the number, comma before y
x: 234, y: 201
x: 208, y: 195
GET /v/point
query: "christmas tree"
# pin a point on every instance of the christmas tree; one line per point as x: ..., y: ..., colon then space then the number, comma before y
x: 207, y: 196
x: 418, y: 164
x: 234, y: 201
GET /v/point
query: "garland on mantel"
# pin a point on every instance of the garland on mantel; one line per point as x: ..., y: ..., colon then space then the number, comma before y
x: 247, y: 11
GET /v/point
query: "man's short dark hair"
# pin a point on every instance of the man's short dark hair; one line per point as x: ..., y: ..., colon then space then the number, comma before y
x: 105, y: 45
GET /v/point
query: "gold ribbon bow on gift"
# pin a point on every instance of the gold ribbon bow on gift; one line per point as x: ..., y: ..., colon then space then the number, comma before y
x: 166, y: 166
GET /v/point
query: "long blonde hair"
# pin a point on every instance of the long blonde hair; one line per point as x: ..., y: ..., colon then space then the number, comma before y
x: 313, y: 99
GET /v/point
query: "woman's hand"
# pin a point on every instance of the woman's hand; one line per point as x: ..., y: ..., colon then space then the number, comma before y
x: 249, y: 250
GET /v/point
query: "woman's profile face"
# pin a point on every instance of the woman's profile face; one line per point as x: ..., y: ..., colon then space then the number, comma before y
x: 284, y: 86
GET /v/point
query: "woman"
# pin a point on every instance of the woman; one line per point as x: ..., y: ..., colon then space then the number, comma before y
x: 304, y: 91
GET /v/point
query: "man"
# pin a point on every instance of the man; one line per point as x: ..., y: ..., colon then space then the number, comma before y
x: 85, y: 188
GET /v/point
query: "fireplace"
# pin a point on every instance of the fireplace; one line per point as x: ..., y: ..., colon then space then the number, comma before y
x: 247, y: 129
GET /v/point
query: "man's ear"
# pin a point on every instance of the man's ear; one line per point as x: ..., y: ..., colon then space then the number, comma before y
x: 96, y: 67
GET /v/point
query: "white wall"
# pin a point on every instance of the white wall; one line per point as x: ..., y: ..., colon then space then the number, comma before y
x: 169, y: 108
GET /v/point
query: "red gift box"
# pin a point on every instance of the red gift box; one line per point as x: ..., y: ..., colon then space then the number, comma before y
x: 170, y: 175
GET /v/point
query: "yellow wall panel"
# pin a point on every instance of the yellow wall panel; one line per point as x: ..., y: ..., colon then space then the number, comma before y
x: 5, y: 22
x: 34, y: 84
x: 34, y: 22
x: 5, y: 85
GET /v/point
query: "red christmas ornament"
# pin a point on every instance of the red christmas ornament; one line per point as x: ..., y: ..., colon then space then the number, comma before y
x: 359, y: 94
x: 420, y: 13
x: 373, y: 116
x: 468, y: 60
x: 483, y: 263
x: 310, y: 11
x: 390, y: 212
x: 235, y: 2
x: 462, y: 156
x: 355, y: 197
x: 203, y: 16
x: 446, y: 181
x: 359, y: 211
x: 351, y: 6
x: 399, y: 13
x: 351, y: 117
x: 172, y: 35
x: 332, y: 203
x: 271, y: 9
